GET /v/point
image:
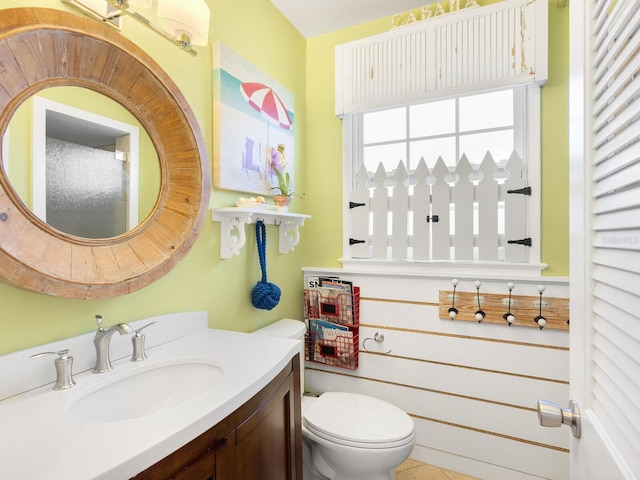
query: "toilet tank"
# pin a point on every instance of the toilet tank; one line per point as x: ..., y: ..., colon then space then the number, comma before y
x: 288, y: 328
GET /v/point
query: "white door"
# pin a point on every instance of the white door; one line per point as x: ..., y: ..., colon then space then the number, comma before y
x: 605, y: 236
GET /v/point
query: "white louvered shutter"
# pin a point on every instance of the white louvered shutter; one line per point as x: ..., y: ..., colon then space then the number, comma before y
x: 606, y: 278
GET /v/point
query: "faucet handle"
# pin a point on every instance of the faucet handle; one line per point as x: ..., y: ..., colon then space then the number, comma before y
x: 99, y: 321
x: 137, y: 331
x: 62, y: 354
x: 137, y: 340
x: 63, y: 364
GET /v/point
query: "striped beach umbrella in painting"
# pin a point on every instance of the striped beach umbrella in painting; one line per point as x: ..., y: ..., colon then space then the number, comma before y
x: 263, y: 99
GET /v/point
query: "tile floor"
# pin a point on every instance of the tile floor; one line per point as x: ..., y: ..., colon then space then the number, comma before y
x: 413, y: 470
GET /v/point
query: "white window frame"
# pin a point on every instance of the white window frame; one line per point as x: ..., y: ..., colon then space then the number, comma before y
x: 352, y: 141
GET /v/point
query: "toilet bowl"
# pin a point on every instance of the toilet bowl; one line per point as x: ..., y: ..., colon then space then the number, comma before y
x: 348, y: 436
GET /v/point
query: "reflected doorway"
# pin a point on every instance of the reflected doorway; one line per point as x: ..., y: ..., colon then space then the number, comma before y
x: 85, y: 171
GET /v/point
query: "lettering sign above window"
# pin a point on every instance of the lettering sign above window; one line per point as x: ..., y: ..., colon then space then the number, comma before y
x: 429, y: 11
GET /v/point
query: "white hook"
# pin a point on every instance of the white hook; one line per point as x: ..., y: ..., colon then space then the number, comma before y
x: 453, y: 311
x: 509, y: 316
x: 540, y: 320
x: 479, y: 316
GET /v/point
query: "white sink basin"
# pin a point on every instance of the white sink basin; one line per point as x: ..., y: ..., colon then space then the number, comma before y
x: 143, y: 392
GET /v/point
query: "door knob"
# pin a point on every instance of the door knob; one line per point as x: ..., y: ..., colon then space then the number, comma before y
x: 551, y: 415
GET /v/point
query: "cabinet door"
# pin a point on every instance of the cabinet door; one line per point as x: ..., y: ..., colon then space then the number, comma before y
x: 194, y: 461
x: 202, y: 469
x: 265, y: 444
x: 261, y: 440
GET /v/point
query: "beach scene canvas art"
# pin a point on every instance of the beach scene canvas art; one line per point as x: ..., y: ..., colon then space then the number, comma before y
x: 253, y: 116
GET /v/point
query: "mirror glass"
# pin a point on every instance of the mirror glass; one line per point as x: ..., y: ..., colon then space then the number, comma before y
x: 81, y: 162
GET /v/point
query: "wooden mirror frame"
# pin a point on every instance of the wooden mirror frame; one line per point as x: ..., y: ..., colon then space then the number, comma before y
x: 40, y: 48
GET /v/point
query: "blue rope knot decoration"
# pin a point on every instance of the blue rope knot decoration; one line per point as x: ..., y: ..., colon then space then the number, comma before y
x: 265, y: 295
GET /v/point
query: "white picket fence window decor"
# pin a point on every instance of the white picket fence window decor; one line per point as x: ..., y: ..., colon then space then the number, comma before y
x: 498, y: 46
x: 461, y: 214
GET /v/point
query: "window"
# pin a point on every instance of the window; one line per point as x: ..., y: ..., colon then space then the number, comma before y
x: 436, y: 177
x: 471, y: 124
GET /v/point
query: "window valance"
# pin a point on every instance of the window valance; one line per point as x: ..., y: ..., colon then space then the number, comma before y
x: 472, y: 49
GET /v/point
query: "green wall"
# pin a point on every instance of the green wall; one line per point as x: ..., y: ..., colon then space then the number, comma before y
x: 258, y: 32
x: 555, y: 146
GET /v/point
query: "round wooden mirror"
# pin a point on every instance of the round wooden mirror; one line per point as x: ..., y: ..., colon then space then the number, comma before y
x: 40, y: 48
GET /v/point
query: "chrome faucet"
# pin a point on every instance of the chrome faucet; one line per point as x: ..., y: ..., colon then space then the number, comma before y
x: 102, y: 341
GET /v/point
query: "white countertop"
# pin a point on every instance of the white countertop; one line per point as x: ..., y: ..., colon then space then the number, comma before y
x: 39, y: 441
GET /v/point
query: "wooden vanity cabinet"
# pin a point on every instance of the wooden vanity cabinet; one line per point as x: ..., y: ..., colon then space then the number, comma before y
x: 261, y: 440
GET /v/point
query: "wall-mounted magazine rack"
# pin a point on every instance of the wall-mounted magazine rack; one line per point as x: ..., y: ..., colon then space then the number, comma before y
x: 333, y: 318
x: 333, y: 305
x: 339, y: 349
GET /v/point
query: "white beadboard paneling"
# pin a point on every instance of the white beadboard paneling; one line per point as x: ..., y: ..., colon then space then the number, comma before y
x: 520, y: 460
x: 471, y: 429
x: 507, y: 357
x: 496, y: 387
x: 466, y: 413
x: 476, y: 385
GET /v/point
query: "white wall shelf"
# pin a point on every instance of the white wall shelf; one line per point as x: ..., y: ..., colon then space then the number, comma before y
x: 232, y: 227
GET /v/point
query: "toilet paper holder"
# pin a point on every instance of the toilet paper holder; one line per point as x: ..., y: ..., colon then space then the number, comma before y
x: 378, y: 338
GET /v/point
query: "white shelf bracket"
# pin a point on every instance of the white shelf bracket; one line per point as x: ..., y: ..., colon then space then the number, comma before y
x: 232, y: 232
x: 232, y: 227
x: 289, y: 232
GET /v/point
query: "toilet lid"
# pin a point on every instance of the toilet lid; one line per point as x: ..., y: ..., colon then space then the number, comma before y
x: 354, y: 418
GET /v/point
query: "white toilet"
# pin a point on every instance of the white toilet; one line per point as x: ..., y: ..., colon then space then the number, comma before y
x: 348, y: 436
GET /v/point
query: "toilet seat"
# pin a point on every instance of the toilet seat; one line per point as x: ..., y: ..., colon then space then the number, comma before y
x: 358, y: 421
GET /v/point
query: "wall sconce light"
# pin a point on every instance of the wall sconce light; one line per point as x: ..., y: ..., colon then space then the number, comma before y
x: 184, y: 23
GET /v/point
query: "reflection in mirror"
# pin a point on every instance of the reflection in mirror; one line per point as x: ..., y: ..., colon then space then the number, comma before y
x: 94, y: 172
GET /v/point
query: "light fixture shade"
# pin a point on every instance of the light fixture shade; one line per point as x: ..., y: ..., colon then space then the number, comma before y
x: 190, y: 17
x: 140, y: 3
